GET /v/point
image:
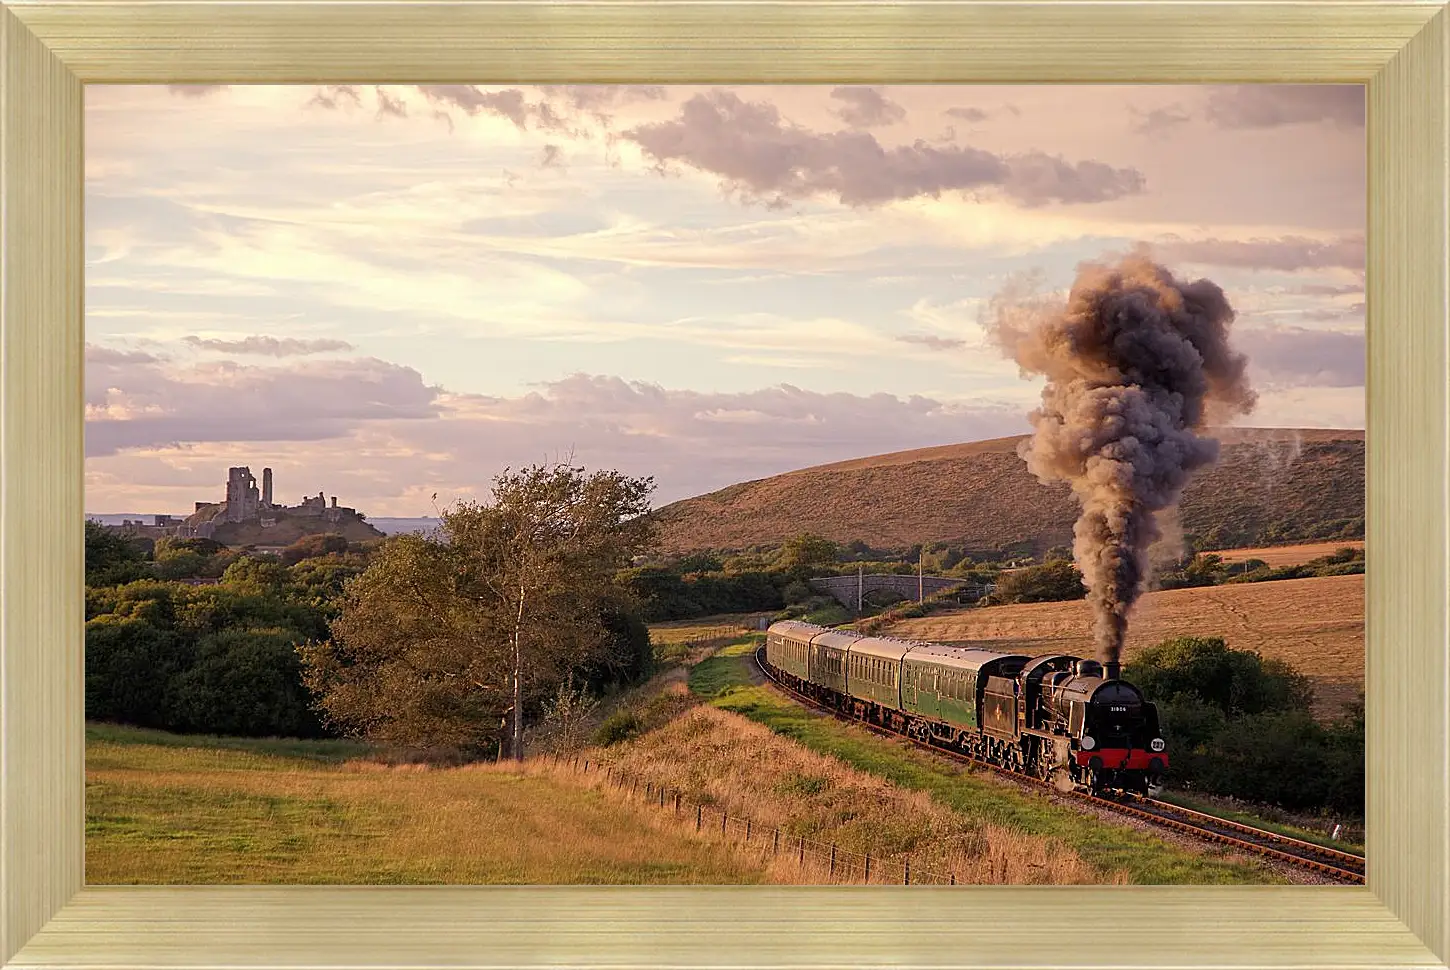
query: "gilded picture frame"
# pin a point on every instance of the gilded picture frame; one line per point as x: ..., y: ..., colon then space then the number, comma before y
x: 51, y: 49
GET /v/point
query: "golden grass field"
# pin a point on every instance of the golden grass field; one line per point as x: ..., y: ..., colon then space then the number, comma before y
x: 744, y: 768
x: 1315, y: 624
x: 192, y: 815
x: 1277, y: 556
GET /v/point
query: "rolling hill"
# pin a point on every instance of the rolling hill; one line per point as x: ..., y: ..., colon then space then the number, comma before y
x: 1270, y: 486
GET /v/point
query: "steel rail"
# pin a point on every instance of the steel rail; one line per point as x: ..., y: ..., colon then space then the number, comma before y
x: 1344, y: 866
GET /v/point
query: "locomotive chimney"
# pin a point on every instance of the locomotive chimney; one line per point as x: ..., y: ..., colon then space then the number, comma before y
x: 1111, y: 670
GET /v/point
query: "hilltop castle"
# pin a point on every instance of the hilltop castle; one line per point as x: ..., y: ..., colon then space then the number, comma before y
x: 247, y: 505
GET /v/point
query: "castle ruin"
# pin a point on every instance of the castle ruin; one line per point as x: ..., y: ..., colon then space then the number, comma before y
x: 246, y: 503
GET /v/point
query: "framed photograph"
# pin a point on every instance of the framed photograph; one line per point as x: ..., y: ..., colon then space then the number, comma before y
x: 1348, y: 323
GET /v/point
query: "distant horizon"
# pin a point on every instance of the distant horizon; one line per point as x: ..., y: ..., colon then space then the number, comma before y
x: 433, y: 518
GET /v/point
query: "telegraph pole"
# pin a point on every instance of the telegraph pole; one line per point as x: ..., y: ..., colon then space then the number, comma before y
x: 860, y: 582
x: 919, y: 583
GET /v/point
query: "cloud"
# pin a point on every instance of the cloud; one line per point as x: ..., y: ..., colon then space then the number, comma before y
x: 1329, y: 289
x: 389, y: 104
x: 695, y: 441
x: 975, y: 115
x: 552, y: 156
x: 1275, y: 105
x: 333, y: 95
x: 377, y: 431
x: 1160, y: 120
x: 1296, y: 357
x: 761, y: 157
x: 867, y: 107
x: 269, y: 346
x: 1285, y: 253
x: 508, y: 104
x: 969, y: 114
x: 97, y: 356
x: 145, y: 402
x: 195, y: 90
x: 595, y: 98
x: 933, y: 341
x: 513, y: 105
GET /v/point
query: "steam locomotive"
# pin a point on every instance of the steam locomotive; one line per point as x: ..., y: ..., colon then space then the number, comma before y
x: 1061, y: 718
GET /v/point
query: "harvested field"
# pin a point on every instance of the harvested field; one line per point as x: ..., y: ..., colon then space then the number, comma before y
x: 1315, y: 624
x: 1277, y: 556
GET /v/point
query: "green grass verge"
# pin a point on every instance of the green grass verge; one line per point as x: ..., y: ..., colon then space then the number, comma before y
x: 1248, y: 818
x: 724, y: 679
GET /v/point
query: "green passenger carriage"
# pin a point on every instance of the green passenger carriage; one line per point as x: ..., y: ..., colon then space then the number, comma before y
x: 788, y: 647
x: 873, y: 670
x: 945, y: 684
x: 829, y: 650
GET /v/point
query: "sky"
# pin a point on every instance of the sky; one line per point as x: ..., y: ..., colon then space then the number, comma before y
x: 394, y: 293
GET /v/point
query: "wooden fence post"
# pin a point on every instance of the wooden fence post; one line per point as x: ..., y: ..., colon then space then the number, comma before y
x: 906, y: 880
x: 833, y: 860
x: 868, y: 867
x: 775, y: 849
x: 698, y: 811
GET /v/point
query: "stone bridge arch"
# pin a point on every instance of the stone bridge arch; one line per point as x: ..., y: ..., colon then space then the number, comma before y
x: 845, y: 588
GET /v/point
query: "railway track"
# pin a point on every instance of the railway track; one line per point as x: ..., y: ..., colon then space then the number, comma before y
x: 1342, y: 866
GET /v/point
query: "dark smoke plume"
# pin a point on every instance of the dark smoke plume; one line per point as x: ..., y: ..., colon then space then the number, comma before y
x: 1137, y: 363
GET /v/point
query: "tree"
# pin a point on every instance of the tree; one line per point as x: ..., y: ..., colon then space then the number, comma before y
x: 1237, y: 682
x: 445, y: 638
x: 568, y: 713
x: 129, y: 663
x: 260, y: 574
x: 804, y: 553
x: 1052, y: 581
x: 245, y: 682
x: 310, y: 547
x: 110, y: 557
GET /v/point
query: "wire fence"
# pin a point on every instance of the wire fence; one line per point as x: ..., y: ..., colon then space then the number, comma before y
x: 824, y: 861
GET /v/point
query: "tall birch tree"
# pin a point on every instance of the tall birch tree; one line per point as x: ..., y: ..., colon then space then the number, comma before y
x: 447, y: 639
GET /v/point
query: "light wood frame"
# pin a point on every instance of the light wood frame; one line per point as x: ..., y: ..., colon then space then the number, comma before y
x: 50, y: 49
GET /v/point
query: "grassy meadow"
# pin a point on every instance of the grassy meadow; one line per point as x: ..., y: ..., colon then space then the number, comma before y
x: 162, y: 809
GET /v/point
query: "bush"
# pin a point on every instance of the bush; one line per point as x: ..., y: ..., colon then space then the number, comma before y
x: 1234, y: 681
x: 245, y: 683
x: 617, y: 727
x: 111, y: 558
x: 310, y: 547
x: 1240, y: 725
x: 129, y: 665
x: 796, y: 591
x: 629, y: 659
x: 1050, y: 582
